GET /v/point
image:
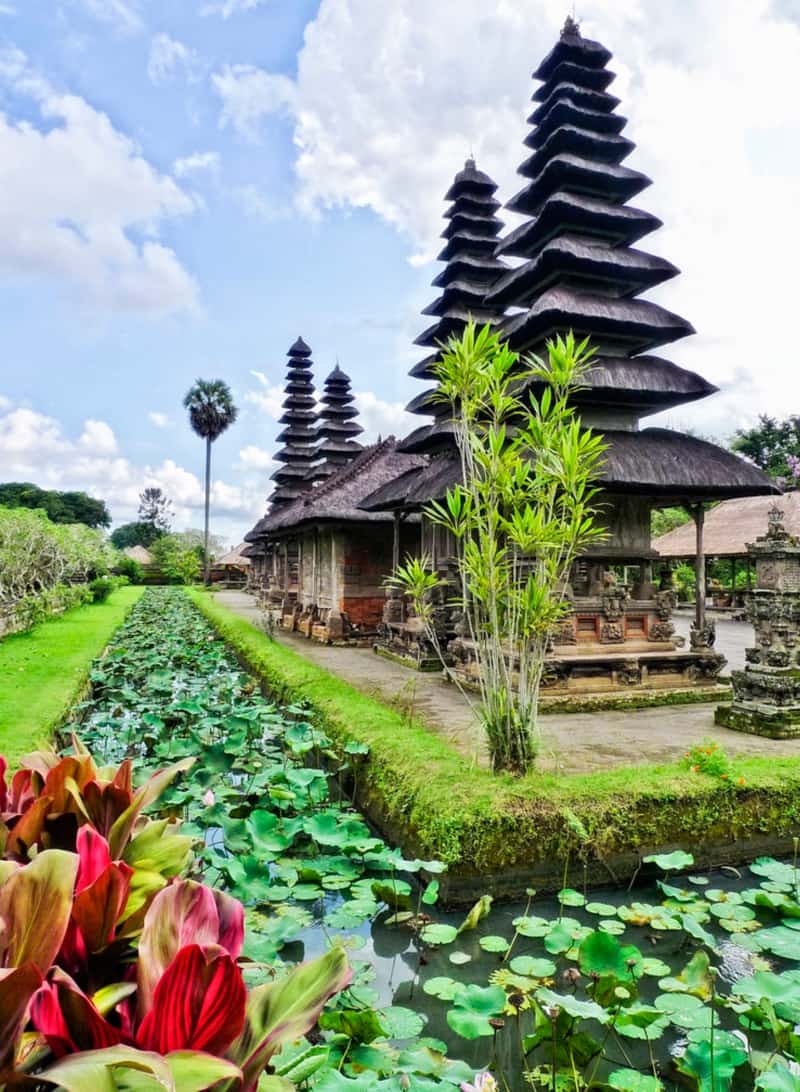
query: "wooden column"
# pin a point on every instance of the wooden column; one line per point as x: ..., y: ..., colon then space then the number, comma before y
x: 699, y: 515
x: 733, y: 581
x: 398, y: 518
x: 749, y: 574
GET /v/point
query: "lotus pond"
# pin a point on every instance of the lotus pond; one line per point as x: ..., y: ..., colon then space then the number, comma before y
x: 692, y: 982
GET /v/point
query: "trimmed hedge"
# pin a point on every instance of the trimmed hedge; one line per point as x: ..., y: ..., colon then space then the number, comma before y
x: 506, y: 833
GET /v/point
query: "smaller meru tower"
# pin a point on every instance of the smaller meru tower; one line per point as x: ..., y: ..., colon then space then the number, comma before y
x: 299, y: 435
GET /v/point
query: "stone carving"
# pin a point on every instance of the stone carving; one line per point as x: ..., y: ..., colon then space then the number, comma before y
x: 393, y: 607
x: 665, y: 604
x: 612, y: 633
x: 661, y: 631
x: 630, y: 673
x: 702, y: 637
x: 766, y: 694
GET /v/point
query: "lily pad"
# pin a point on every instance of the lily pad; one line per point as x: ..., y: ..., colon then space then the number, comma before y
x: 676, y: 861
x: 533, y: 968
x: 474, y: 1007
x: 493, y: 944
x: 631, y: 1080
x: 438, y: 933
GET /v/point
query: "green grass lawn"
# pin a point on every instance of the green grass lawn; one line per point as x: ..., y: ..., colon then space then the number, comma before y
x: 436, y: 804
x: 44, y: 671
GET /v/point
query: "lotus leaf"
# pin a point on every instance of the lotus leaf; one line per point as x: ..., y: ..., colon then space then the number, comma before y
x: 474, y: 1007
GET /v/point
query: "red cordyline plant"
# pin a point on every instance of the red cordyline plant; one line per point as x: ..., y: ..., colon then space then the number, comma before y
x: 114, y: 971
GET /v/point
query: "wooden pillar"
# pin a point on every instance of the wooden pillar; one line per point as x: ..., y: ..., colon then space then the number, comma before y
x: 733, y: 581
x: 749, y: 572
x: 396, y: 540
x: 699, y: 515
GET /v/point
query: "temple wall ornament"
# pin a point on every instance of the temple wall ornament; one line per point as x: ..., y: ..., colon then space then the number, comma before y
x: 766, y: 694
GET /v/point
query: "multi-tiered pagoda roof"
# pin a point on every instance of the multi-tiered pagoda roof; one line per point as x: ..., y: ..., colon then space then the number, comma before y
x: 337, y: 427
x: 471, y: 269
x: 580, y: 270
x: 299, y: 435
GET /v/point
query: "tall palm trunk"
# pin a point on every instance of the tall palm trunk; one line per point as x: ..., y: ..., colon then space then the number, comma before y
x: 206, y: 561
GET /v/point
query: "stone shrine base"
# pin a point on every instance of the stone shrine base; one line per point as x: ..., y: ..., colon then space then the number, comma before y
x: 759, y: 720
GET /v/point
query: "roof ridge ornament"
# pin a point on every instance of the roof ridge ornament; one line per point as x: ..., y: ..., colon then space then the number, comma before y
x: 571, y: 28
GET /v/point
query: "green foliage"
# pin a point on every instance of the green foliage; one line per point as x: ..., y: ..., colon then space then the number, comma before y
x: 663, y: 520
x: 69, y: 507
x: 178, y: 563
x: 39, y: 559
x: 138, y: 533
x: 709, y: 758
x: 101, y: 587
x: 130, y: 569
x: 522, y: 512
x: 771, y: 444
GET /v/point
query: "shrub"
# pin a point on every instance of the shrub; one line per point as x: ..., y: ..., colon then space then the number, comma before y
x: 710, y: 759
x: 110, y: 960
x: 101, y: 587
x: 129, y: 567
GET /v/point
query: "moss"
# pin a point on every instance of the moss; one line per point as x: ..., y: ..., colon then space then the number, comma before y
x: 640, y: 700
x: 45, y: 671
x: 435, y: 803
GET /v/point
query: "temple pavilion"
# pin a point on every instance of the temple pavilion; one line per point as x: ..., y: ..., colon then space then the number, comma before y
x: 318, y: 561
x: 571, y: 264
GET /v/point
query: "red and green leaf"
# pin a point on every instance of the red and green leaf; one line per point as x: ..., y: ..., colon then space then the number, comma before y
x: 185, y: 913
x: 279, y: 1012
x: 35, y: 905
x: 198, y: 1004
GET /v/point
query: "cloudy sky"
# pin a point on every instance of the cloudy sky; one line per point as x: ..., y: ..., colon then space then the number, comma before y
x: 187, y: 185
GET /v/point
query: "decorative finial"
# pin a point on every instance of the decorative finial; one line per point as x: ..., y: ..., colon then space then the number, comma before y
x: 571, y: 28
x: 469, y: 163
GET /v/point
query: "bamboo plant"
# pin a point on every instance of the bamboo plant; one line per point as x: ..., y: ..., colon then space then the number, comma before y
x: 523, y: 511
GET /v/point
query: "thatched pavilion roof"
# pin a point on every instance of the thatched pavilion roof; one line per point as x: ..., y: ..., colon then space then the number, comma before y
x: 658, y: 462
x: 730, y: 526
x: 139, y: 554
x: 339, y: 498
x: 237, y: 558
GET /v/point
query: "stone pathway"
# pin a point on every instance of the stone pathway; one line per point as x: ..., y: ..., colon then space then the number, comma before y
x: 572, y: 742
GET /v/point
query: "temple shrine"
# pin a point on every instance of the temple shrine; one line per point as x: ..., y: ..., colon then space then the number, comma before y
x: 570, y: 265
x: 576, y: 268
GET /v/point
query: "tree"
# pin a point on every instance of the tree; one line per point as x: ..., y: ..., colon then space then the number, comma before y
x: 178, y: 563
x: 211, y: 412
x: 667, y: 519
x: 60, y: 507
x: 134, y: 534
x: 522, y: 513
x: 773, y: 445
x: 155, y: 508
x: 194, y: 539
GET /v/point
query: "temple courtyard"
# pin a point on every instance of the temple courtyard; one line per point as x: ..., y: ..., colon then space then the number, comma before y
x: 572, y: 742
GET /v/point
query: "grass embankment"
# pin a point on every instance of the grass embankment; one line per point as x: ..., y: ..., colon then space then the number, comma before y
x: 43, y: 672
x: 513, y: 832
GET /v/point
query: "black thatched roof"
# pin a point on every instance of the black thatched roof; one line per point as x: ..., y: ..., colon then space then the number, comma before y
x: 471, y: 268
x: 337, y: 500
x: 337, y: 427
x: 656, y: 461
x: 567, y: 171
x: 633, y: 325
x: 587, y: 261
x: 299, y: 436
x: 578, y: 214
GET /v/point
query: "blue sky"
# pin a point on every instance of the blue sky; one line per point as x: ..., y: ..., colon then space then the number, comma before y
x: 187, y: 186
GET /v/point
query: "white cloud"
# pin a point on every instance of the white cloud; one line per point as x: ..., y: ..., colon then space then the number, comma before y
x: 98, y: 438
x: 34, y: 447
x: 123, y: 14
x: 197, y: 161
x: 160, y: 420
x: 5, y: 403
x: 390, y: 98
x: 82, y: 206
x: 269, y: 397
x: 227, y: 8
x: 380, y: 418
x: 168, y: 58
x: 249, y: 95
x: 255, y: 458
x: 7, y: 9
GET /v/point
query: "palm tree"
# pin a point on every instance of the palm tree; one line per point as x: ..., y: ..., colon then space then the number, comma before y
x: 211, y: 411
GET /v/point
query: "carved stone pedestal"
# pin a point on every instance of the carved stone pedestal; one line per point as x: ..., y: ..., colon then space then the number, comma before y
x: 766, y: 695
